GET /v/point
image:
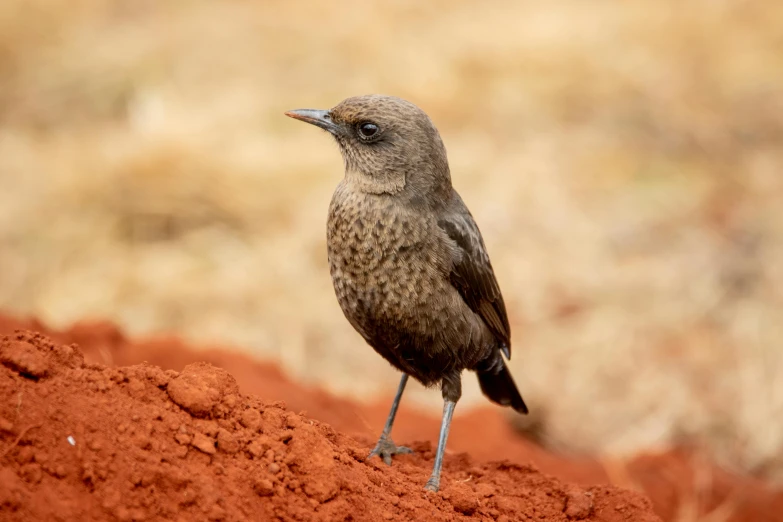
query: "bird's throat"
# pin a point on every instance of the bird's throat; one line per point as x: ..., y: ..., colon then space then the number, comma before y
x: 390, y: 183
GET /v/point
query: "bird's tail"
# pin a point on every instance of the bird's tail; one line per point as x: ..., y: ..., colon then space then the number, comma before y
x: 499, y: 387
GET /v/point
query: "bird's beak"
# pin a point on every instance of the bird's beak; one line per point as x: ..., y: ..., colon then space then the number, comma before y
x: 317, y: 117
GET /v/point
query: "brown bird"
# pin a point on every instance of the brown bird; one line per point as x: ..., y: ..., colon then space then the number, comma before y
x: 408, y: 262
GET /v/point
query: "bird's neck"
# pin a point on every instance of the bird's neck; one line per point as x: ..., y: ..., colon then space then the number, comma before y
x: 390, y: 183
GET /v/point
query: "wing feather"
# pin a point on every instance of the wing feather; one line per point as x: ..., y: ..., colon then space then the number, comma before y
x: 472, y: 274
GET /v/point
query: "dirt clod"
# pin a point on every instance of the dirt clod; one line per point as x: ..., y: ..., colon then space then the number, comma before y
x: 201, y: 389
x: 24, y: 358
x: 578, y: 503
x: 251, y: 419
x: 226, y: 441
x: 204, y: 443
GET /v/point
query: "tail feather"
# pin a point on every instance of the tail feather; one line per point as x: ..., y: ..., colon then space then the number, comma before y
x: 499, y: 387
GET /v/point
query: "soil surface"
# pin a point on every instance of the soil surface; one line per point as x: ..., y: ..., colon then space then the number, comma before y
x: 205, y: 434
x: 85, y: 441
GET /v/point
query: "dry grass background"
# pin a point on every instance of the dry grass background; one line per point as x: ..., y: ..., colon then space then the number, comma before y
x: 623, y: 160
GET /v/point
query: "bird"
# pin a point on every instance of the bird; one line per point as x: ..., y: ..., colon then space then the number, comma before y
x: 408, y: 263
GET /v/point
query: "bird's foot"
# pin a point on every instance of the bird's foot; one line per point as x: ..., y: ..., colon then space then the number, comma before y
x: 386, y: 448
x: 433, y: 484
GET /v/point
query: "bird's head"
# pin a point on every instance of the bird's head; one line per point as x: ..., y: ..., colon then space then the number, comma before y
x: 389, y: 145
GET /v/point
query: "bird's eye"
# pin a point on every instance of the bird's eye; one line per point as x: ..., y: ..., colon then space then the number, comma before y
x: 368, y: 130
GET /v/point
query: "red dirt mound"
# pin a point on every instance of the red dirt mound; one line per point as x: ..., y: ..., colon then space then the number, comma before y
x: 83, y: 441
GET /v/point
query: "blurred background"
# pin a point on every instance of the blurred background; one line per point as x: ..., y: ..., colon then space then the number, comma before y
x: 623, y: 160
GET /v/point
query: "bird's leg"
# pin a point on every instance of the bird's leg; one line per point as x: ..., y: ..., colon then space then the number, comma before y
x: 386, y: 447
x: 451, y: 387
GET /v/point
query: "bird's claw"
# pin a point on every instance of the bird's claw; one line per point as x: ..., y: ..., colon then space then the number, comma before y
x: 432, y: 485
x: 386, y: 449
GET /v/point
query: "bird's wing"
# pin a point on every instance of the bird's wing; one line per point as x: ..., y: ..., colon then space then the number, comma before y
x: 472, y: 274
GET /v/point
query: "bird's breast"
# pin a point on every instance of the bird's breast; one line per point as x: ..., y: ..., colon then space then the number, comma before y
x: 385, y: 261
